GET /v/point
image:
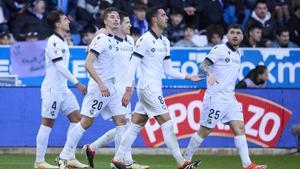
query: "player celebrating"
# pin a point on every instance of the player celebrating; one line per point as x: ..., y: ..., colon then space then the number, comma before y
x: 56, y: 96
x: 222, y: 66
x: 152, y: 54
x: 124, y: 48
x: 102, y: 96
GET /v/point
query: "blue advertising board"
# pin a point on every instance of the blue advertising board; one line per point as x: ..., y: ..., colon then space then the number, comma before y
x: 283, y: 66
x: 268, y: 113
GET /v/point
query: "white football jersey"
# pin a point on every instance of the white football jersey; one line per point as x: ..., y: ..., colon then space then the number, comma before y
x: 153, y: 50
x: 226, y: 66
x: 57, y: 49
x: 104, y: 48
x: 124, y: 48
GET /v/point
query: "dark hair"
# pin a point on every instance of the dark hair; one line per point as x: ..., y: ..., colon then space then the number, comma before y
x: 189, y: 26
x: 4, y: 34
x: 140, y: 6
x: 282, y: 29
x: 213, y: 29
x: 258, y: 70
x: 152, y: 12
x: 176, y: 11
x: 260, y: 2
x: 89, y: 28
x: 53, y: 17
x: 135, y: 31
x: 123, y: 15
x: 255, y: 26
x: 108, y: 11
x: 234, y: 26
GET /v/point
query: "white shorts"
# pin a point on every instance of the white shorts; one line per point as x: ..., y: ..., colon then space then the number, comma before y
x: 94, y: 103
x: 54, y: 102
x: 151, y: 102
x: 215, y: 110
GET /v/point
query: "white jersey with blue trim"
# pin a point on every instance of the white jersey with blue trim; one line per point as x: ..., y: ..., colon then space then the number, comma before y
x: 104, y: 48
x: 57, y: 49
x: 153, y: 50
x: 226, y: 63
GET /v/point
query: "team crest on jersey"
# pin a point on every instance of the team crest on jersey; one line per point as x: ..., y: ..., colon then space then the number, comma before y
x: 209, y: 121
x: 110, y: 47
x: 227, y: 60
x: 99, y: 37
x: 63, y: 51
x: 153, y: 50
x: 92, y: 111
x: 54, y: 44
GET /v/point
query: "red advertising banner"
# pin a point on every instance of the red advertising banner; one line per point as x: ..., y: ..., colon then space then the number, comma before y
x: 264, y: 120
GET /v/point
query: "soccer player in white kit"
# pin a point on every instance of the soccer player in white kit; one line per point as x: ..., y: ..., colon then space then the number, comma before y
x: 124, y: 47
x: 56, y: 96
x: 102, y: 97
x: 222, y: 66
x: 152, y: 54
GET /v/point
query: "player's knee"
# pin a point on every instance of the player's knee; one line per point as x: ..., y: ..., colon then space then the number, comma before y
x: 86, y: 122
x: 74, y: 117
x: 203, y: 132
x: 120, y: 120
x: 239, y: 130
x: 48, y: 122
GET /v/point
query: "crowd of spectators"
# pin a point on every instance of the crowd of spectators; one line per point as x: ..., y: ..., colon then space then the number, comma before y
x: 266, y: 23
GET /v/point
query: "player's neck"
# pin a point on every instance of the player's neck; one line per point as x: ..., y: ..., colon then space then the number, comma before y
x: 62, y: 33
x: 112, y: 31
x: 120, y: 34
x: 157, y: 30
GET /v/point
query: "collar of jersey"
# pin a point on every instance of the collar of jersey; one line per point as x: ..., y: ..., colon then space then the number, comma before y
x: 110, y: 35
x: 120, y: 39
x: 154, y: 34
x: 58, y: 35
x: 230, y: 47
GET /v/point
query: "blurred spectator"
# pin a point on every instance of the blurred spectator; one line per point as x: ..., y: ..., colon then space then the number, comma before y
x: 86, y: 11
x: 211, y: 11
x: 5, y: 38
x: 261, y: 16
x: 283, y: 39
x: 236, y: 12
x: 135, y: 33
x: 32, y: 20
x: 98, y: 20
x: 138, y: 20
x: 31, y: 36
x: 4, y: 17
x: 87, y: 34
x: 214, y: 34
x: 191, y: 9
x: 294, y: 26
x: 14, y: 7
x: 188, y: 34
x: 124, y: 5
x: 282, y: 12
x: 151, y: 3
x: 256, y: 78
x: 175, y: 27
x: 254, y: 37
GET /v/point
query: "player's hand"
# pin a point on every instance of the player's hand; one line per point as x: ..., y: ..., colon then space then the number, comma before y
x: 104, y: 90
x: 126, y: 99
x: 212, y: 79
x: 81, y: 87
x: 196, y: 78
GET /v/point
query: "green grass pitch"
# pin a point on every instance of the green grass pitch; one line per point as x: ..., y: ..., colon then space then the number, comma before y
x: 161, y: 161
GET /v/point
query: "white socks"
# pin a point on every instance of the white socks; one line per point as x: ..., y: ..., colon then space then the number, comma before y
x: 105, y: 139
x: 72, y: 141
x: 242, y: 146
x: 171, y: 141
x: 194, y: 143
x: 70, y: 128
x: 129, y: 137
x: 42, y: 143
x: 120, y: 130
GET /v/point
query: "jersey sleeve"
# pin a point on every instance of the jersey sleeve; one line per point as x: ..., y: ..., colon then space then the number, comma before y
x: 214, y: 55
x: 140, y: 48
x: 54, y: 52
x: 99, y: 44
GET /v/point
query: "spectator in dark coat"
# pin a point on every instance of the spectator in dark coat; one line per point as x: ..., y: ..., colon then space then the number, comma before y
x: 283, y: 39
x: 175, y: 27
x: 138, y: 20
x: 254, y: 37
x: 294, y: 26
x: 261, y: 16
x: 32, y: 19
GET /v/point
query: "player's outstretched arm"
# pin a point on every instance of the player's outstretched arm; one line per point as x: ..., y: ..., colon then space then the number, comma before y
x: 204, y: 67
x: 90, y: 59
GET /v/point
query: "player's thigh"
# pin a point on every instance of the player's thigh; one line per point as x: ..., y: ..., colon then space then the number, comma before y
x: 69, y: 104
x: 235, y: 113
x: 153, y: 102
x: 51, y: 103
x: 212, y: 112
x: 117, y: 112
x: 93, y: 103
